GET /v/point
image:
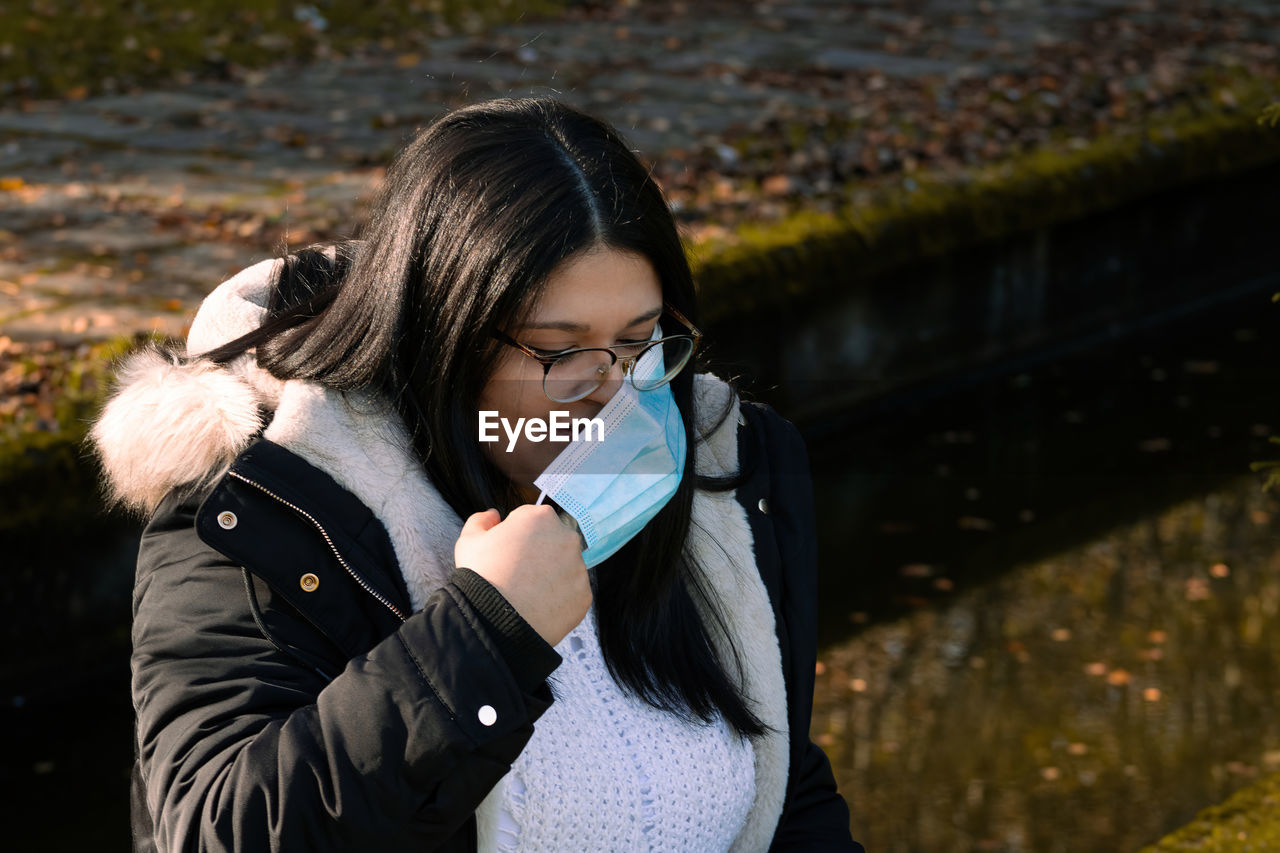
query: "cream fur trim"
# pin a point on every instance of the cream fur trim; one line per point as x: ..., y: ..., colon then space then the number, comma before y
x: 169, y: 425
x: 720, y: 537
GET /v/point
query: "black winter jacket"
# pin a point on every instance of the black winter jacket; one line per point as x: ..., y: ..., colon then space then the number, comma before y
x: 310, y: 670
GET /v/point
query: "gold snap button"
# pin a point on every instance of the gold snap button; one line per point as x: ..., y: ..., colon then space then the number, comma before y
x: 764, y: 506
x: 309, y: 582
x: 227, y: 519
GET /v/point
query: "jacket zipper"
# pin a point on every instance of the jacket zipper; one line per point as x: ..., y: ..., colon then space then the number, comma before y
x: 302, y: 512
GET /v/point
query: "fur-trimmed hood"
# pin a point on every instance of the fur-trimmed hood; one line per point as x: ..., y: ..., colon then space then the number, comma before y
x: 171, y: 424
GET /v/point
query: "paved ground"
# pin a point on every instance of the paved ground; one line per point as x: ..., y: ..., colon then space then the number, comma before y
x: 119, y: 213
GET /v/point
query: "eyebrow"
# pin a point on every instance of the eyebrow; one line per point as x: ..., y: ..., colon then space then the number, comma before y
x: 565, y: 326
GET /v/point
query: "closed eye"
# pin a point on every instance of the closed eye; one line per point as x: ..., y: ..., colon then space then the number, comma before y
x: 551, y: 353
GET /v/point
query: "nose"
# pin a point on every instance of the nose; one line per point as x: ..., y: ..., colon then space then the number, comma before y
x: 610, y: 385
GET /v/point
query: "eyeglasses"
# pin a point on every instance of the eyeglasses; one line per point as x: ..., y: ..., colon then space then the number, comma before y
x: 573, y: 374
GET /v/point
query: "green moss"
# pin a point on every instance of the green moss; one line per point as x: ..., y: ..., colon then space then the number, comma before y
x: 1245, y: 822
x: 1271, y: 466
x: 45, y: 475
x: 807, y: 253
x: 48, y: 472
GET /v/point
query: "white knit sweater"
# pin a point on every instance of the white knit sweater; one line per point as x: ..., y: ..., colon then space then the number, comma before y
x: 607, y: 771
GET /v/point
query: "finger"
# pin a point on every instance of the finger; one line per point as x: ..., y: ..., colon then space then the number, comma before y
x: 481, y: 521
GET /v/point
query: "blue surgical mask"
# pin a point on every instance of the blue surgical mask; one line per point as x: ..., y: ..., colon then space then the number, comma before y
x: 612, y: 488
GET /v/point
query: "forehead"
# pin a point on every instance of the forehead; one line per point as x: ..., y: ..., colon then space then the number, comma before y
x: 603, y: 287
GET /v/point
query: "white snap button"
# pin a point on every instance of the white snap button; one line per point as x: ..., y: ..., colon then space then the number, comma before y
x: 764, y: 506
x: 227, y: 519
x: 488, y: 716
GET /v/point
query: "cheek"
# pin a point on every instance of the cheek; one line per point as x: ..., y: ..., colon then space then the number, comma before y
x: 516, y: 393
x: 505, y: 392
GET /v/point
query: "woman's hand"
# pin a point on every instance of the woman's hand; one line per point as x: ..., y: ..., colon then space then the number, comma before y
x: 535, y: 560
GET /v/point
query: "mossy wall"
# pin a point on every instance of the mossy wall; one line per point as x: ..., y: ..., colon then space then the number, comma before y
x: 46, y: 468
x: 1245, y: 823
x: 809, y: 256
x: 818, y: 346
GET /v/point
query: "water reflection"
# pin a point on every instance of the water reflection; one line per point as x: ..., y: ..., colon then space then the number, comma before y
x: 1093, y: 699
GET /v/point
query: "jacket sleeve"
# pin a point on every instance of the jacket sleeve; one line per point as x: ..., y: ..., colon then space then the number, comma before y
x: 815, y: 817
x: 244, y: 748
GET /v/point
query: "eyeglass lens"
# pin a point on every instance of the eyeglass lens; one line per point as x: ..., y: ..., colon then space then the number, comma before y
x: 576, y: 375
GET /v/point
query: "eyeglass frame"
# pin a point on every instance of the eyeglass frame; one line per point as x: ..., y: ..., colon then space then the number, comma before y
x: 629, y: 362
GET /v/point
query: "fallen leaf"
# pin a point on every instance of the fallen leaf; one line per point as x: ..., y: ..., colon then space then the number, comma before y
x: 776, y: 185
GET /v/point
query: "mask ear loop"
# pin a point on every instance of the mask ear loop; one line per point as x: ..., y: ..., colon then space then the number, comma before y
x: 540, y: 497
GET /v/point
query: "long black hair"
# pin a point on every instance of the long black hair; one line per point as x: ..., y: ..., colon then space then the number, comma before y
x: 471, y: 219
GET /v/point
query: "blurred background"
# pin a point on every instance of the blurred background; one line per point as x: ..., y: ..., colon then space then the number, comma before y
x: 1008, y: 264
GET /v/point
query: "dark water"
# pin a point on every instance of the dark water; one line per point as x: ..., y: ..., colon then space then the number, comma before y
x: 1012, y: 561
x: 65, y: 712
x: 1091, y: 699
x: 1049, y: 594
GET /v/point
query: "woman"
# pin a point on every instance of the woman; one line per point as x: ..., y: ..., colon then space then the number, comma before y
x: 351, y: 608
